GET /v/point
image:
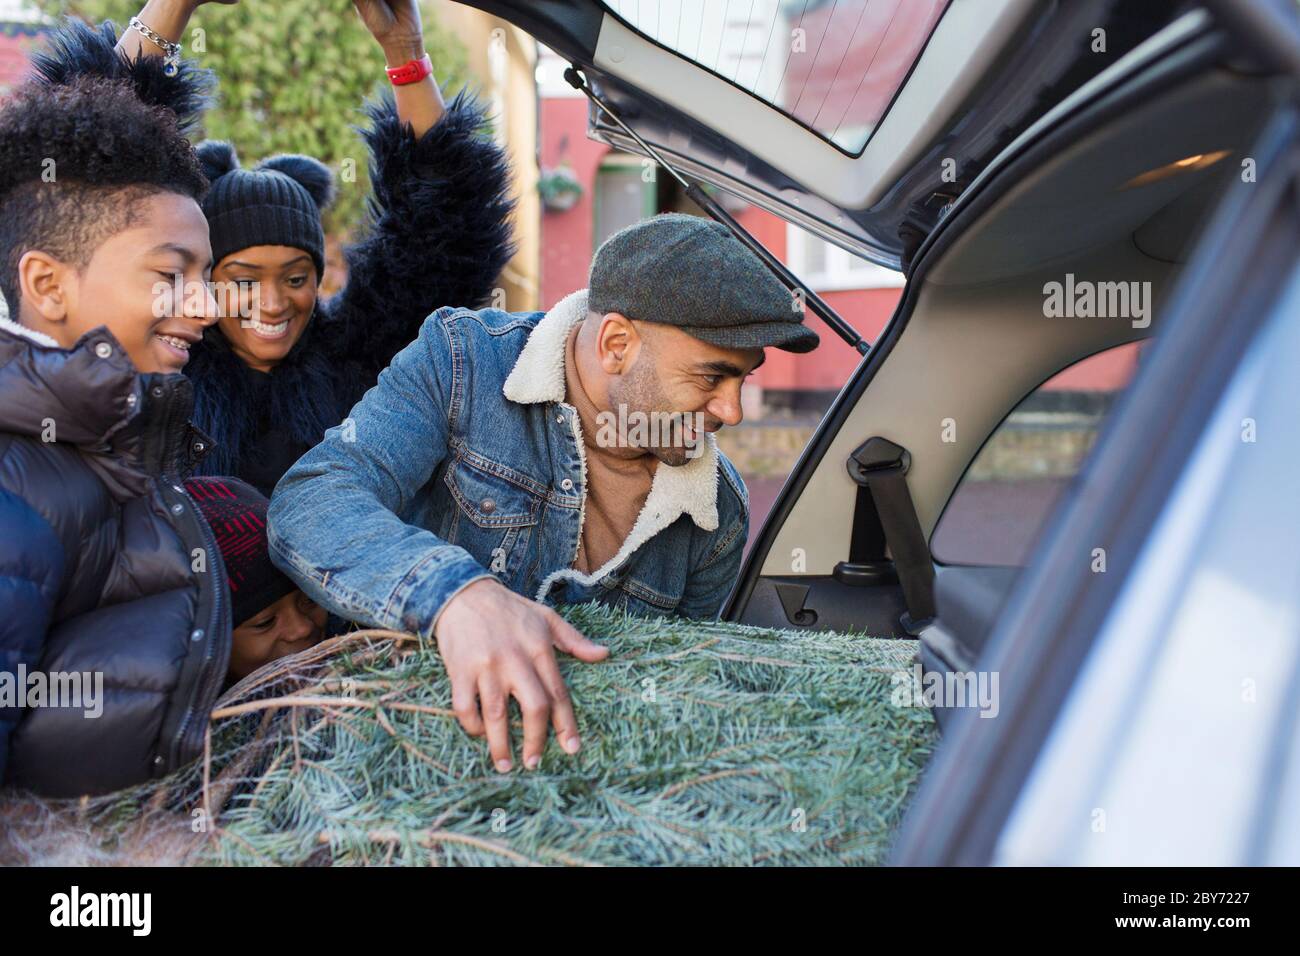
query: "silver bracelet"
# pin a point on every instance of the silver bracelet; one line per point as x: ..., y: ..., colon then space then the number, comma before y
x: 171, y: 51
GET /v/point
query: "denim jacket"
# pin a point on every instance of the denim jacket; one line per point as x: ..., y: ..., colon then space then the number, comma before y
x: 464, y: 462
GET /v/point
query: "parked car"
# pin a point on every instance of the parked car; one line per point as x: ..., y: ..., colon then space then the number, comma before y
x: 1055, y: 180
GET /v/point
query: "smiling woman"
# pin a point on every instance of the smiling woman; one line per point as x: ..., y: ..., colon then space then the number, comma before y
x: 283, y: 365
x: 271, y: 291
x: 269, y: 248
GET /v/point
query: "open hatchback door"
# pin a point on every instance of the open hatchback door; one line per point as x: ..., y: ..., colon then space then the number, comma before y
x: 860, y: 120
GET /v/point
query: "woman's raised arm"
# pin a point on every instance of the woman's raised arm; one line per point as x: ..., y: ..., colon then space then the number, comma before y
x: 166, y: 18
x: 396, y: 26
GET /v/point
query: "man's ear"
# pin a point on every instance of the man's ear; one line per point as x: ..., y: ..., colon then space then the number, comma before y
x: 45, y: 284
x: 617, y: 342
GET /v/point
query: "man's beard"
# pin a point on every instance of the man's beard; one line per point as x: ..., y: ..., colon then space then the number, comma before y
x: 638, y: 399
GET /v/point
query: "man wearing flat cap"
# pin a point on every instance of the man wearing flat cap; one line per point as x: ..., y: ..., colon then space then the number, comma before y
x: 505, y: 460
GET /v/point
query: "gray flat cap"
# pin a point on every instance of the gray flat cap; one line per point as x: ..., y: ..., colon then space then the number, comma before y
x: 691, y: 272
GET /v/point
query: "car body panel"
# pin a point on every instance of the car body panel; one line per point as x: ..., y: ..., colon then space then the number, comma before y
x: 1060, y: 604
x: 1200, y: 655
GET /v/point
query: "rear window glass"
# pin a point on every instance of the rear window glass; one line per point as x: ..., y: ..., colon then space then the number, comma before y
x: 833, y: 65
x: 1009, y: 491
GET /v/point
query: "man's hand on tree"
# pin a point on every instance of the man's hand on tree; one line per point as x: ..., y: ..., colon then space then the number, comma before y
x: 497, y: 645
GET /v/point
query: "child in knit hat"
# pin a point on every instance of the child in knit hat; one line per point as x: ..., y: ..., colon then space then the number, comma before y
x: 272, y: 617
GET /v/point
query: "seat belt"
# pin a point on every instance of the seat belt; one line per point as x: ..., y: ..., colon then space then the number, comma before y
x: 884, y: 514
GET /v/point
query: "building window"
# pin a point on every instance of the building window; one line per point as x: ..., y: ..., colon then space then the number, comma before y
x: 828, y: 268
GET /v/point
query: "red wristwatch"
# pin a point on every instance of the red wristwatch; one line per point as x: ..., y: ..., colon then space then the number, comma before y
x: 412, y: 71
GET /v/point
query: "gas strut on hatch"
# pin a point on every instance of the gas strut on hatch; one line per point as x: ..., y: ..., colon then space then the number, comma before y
x: 711, y: 206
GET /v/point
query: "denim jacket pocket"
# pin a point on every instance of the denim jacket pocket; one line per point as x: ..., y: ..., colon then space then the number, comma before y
x: 649, y: 598
x: 496, y: 520
x: 489, y: 500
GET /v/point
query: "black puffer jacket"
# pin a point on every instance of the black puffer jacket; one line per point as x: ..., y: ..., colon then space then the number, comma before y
x: 105, y: 565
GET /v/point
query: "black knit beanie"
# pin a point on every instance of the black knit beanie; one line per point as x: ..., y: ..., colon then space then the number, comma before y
x: 276, y: 203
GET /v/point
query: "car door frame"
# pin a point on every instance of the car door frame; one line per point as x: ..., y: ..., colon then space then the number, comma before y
x: 1186, y: 51
x: 1234, y: 278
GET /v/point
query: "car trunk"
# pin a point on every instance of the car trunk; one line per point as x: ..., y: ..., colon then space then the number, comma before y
x: 950, y: 88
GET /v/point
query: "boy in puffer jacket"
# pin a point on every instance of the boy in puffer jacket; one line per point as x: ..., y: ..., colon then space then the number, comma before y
x: 112, y: 589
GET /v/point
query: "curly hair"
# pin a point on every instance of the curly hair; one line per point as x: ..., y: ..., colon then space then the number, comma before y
x: 74, y: 158
x: 74, y: 50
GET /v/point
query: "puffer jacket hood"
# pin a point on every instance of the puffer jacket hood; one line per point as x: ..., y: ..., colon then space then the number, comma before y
x: 107, y: 568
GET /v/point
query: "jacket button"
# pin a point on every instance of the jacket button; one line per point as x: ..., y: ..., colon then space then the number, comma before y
x: 199, y: 447
x: 567, y: 484
x: 488, y: 506
x: 177, y: 509
x: 196, y: 634
x: 103, y: 350
x: 559, y: 419
x: 156, y: 391
x: 130, y: 401
x: 158, y: 761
